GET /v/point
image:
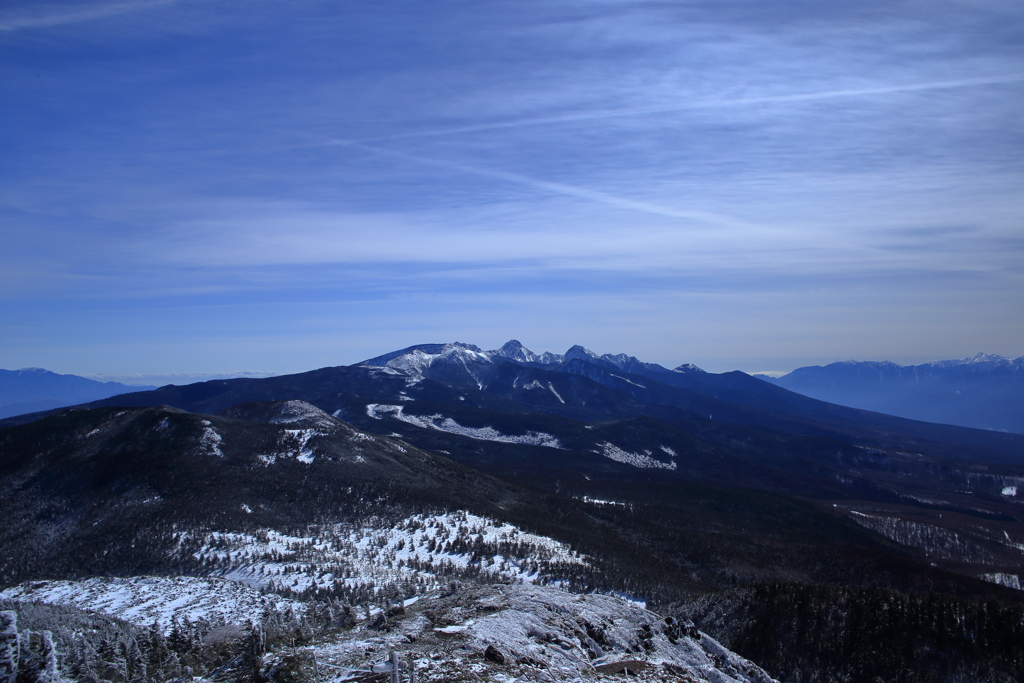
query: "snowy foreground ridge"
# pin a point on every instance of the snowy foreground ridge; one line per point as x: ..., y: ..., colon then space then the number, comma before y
x: 495, y: 625
x: 523, y: 633
x: 505, y: 633
x: 145, y: 600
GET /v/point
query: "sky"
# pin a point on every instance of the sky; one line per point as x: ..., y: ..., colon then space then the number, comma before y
x: 199, y: 187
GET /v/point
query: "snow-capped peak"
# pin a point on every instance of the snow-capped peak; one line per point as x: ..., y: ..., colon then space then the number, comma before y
x: 984, y: 358
x: 513, y: 350
x: 619, y: 359
x: 469, y: 351
x: 977, y: 359
x: 687, y: 367
x: 417, y: 360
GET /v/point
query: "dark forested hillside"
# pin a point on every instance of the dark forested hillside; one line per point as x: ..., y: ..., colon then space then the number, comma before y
x: 779, y: 529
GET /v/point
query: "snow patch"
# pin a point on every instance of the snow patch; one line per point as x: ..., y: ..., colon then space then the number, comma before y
x: 1009, y: 490
x: 934, y: 540
x: 290, y: 412
x: 541, y: 634
x: 419, y: 549
x: 303, y: 436
x: 210, y: 440
x: 601, y: 501
x: 143, y: 600
x: 641, y: 460
x: 441, y: 423
x: 1008, y: 580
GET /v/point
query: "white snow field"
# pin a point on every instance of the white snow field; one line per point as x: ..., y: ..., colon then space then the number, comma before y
x: 421, y: 550
x: 520, y: 633
x: 143, y: 600
x: 445, y: 424
x: 641, y: 460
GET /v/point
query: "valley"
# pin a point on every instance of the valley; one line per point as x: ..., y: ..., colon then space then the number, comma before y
x: 374, y: 495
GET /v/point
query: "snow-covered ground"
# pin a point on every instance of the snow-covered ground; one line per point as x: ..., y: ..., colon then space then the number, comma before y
x: 641, y: 460
x: 421, y: 550
x: 291, y: 412
x: 513, y: 631
x: 143, y: 600
x: 934, y: 540
x: 379, y: 411
x: 520, y: 633
x: 210, y: 440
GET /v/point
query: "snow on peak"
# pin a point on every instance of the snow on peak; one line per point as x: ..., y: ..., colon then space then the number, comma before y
x: 291, y: 412
x: 465, y: 351
x: 416, y: 361
x: 34, y: 371
x: 978, y: 359
x: 619, y: 360
x: 513, y: 350
x: 580, y: 352
x: 984, y: 358
x: 688, y: 367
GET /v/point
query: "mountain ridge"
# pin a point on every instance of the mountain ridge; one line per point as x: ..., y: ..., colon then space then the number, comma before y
x: 31, y: 390
x: 672, y: 492
x: 984, y: 391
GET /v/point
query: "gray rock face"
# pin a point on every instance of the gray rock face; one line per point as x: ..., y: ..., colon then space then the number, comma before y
x: 527, y: 633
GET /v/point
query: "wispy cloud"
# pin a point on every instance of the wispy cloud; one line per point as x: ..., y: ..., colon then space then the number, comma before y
x: 722, y: 103
x: 604, y: 198
x: 676, y: 180
x: 42, y: 16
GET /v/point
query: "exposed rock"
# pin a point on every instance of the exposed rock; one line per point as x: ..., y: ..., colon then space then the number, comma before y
x: 542, y: 634
x: 493, y: 654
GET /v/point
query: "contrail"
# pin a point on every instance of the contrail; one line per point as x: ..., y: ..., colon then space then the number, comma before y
x: 13, y: 24
x: 709, y: 104
x: 564, y: 189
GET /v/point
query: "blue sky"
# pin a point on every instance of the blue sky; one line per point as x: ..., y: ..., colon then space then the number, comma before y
x: 207, y: 187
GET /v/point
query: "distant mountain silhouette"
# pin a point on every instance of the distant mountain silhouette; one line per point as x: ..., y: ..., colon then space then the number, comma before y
x: 984, y: 392
x: 31, y: 390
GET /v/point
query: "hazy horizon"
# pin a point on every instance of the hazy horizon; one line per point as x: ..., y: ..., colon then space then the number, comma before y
x: 185, y: 377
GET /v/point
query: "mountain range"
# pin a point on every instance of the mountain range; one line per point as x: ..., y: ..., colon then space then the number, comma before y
x: 31, y: 390
x: 984, y: 392
x: 820, y: 542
